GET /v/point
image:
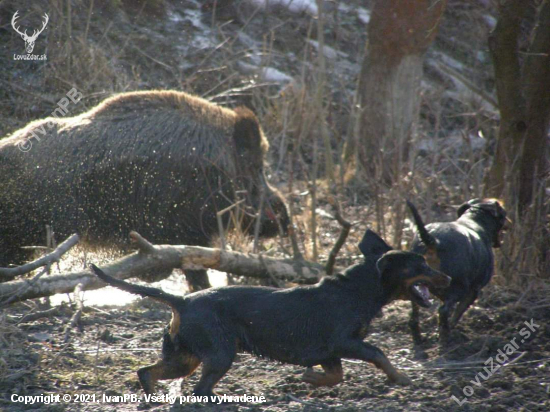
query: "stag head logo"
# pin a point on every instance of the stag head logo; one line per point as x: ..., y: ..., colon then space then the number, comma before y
x: 29, y: 40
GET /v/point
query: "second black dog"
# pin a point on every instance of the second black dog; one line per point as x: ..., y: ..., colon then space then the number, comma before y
x: 461, y: 249
x: 304, y: 325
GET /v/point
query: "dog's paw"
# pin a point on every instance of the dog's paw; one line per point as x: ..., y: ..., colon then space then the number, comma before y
x: 320, y: 378
x: 402, y: 380
x: 313, y: 378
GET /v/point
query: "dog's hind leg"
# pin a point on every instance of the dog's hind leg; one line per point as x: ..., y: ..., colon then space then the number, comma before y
x: 213, y: 369
x: 462, y: 306
x: 370, y: 353
x: 176, y: 367
x: 333, y: 374
x: 414, y: 324
x: 445, y: 311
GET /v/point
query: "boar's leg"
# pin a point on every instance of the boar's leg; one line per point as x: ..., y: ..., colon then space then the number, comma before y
x: 197, y: 280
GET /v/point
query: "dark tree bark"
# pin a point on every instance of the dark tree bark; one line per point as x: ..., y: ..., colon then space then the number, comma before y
x: 523, y: 90
x: 503, y: 44
x: 534, y: 163
x: 520, y: 168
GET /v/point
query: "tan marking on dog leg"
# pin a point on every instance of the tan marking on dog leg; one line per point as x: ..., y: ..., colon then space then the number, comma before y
x: 393, y: 374
x: 333, y: 375
x: 432, y: 258
x: 179, y: 367
x: 174, y: 324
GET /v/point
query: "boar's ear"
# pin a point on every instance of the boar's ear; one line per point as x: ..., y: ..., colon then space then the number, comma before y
x: 372, y: 244
x: 247, y: 133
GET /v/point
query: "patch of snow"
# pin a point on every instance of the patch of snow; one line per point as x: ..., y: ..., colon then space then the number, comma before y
x: 450, y: 61
x: 295, y: 6
x: 461, y: 143
x: 490, y: 21
x: 246, y: 39
x: 266, y: 74
x: 456, y: 144
x: 328, y: 51
x: 363, y: 15
x: 269, y: 74
x: 194, y: 16
x: 481, y: 57
x: 202, y: 42
x: 426, y: 145
x: 174, y: 16
x: 343, y: 7
x: 254, y: 54
x: 202, y: 36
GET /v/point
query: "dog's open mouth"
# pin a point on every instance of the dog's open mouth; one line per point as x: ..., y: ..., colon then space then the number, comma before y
x: 420, y: 294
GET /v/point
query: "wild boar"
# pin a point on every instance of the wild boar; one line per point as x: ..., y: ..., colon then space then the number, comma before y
x: 162, y: 163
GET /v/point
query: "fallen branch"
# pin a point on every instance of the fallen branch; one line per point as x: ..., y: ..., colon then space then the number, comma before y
x: 11, y: 273
x: 24, y: 286
x: 449, y: 71
x: 39, y: 315
x: 156, y: 262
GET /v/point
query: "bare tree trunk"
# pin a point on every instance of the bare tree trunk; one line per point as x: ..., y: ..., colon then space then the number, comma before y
x: 523, y: 90
x: 503, y: 43
x: 520, y: 167
x: 534, y: 164
x: 399, y: 33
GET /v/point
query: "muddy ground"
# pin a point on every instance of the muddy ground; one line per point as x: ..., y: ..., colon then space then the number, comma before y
x: 114, y: 342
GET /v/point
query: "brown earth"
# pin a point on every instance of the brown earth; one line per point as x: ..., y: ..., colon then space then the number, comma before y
x: 103, y: 358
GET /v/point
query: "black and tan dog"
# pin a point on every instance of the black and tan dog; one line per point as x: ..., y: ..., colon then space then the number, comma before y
x: 304, y: 325
x: 461, y: 249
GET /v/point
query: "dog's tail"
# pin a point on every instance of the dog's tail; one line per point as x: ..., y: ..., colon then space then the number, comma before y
x: 428, y: 239
x: 154, y: 293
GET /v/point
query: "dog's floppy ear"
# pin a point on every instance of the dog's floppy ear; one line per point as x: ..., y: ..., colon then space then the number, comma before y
x: 372, y: 244
x: 466, y: 206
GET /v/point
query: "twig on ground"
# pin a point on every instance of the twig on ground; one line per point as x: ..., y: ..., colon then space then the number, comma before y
x: 39, y: 315
x: 75, y: 320
x: 346, y: 226
x: 295, y: 399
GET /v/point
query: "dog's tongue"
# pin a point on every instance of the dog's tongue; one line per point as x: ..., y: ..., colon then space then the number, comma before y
x: 424, y: 292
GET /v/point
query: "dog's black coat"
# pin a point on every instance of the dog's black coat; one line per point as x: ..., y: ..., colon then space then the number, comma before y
x: 304, y: 325
x: 461, y: 249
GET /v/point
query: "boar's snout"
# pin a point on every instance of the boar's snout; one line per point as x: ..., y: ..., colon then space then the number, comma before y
x: 275, y: 219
